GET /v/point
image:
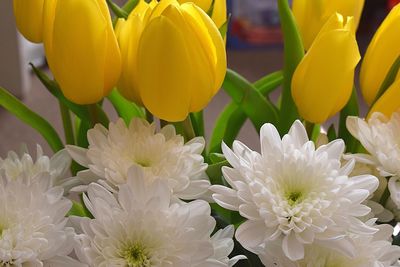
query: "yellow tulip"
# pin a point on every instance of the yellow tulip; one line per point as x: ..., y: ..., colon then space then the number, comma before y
x: 382, y: 52
x: 219, y: 14
x: 389, y: 102
x: 29, y: 18
x: 174, y: 58
x: 312, y: 15
x: 81, y: 48
x: 323, y: 81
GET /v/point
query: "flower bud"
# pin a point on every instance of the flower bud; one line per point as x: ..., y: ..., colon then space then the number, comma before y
x: 174, y: 59
x: 323, y: 81
x: 382, y: 52
x: 81, y: 48
x: 312, y: 15
x: 29, y: 18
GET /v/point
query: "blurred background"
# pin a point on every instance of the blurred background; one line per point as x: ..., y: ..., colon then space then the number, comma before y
x: 254, y: 48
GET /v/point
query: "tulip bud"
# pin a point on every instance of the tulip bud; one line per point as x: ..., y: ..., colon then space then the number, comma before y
x: 174, y: 59
x: 382, y: 52
x: 29, y: 18
x: 81, y: 48
x: 312, y: 15
x: 219, y: 13
x: 323, y: 81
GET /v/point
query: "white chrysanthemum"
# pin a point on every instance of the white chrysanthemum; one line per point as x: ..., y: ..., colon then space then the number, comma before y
x: 162, y: 155
x: 24, y: 168
x: 294, y: 193
x: 379, y: 136
x: 32, y: 224
x: 370, y: 251
x: 140, y: 227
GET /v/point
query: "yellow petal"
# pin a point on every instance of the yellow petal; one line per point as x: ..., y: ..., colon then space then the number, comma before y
x: 323, y: 81
x: 129, y: 33
x: 165, y: 74
x: 389, y: 102
x: 219, y: 15
x: 49, y: 10
x: 29, y: 19
x: 380, y: 56
x: 203, y: 4
x: 210, y: 39
x: 79, y: 50
x: 311, y: 16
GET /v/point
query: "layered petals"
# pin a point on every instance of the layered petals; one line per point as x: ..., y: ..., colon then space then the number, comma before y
x: 323, y: 81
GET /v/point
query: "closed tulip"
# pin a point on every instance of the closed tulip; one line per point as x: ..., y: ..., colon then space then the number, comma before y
x: 81, y: 48
x: 219, y: 14
x: 382, y: 52
x: 312, y: 15
x: 29, y: 17
x: 323, y: 81
x: 173, y: 56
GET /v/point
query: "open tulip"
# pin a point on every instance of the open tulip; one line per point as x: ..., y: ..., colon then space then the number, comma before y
x: 219, y: 14
x: 382, y: 52
x: 81, y: 48
x: 312, y: 15
x: 174, y: 58
x: 29, y: 19
x: 323, y: 81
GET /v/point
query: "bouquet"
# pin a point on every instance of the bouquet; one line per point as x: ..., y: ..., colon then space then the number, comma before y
x: 149, y: 190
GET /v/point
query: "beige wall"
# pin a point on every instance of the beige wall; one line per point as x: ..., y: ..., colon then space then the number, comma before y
x: 10, y: 69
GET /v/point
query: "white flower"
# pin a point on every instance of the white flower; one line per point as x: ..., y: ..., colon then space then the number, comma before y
x: 140, y: 227
x: 370, y: 251
x: 24, y: 168
x: 162, y: 155
x: 32, y: 224
x: 294, y: 193
x: 379, y: 136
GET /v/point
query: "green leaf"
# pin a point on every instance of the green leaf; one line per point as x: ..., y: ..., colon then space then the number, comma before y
x: 197, y: 119
x: 332, y: 133
x: 223, y: 30
x: 389, y: 79
x: 258, y: 109
x: 217, y: 158
x: 232, y: 118
x: 119, y: 12
x: 125, y: 109
x: 210, y: 11
x: 214, y: 172
x: 78, y: 209
x: 351, y: 109
x: 294, y: 52
x: 130, y: 5
x: 22, y: 112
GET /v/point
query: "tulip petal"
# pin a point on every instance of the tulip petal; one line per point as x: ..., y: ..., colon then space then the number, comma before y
x: 322, y: 83
x: 29, y: 19
x: 388, y: 103
x: 79, y: 49
x: 380, y: 56
x: 165, y: 73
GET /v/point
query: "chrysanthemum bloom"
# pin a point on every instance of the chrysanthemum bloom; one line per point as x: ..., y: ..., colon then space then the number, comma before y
x: 32, y: 225
x: 161, y: 155
x: 140, y: 226
x: 379, y: 136
x: 370, y: 251
x: 294, y: 193
x: 26, y: 169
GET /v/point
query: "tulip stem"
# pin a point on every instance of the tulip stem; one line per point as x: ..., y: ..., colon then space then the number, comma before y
x: 309, y: 128
x: 67, y: 124
x: 188, y: 129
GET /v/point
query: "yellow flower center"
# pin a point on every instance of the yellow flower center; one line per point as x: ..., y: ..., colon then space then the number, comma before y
x: 136, y: 256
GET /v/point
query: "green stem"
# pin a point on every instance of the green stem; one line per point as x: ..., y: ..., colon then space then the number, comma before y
x: 94, y: 115
x: 188, y: 129
x: 67, y: 124
x: 309, y: 128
